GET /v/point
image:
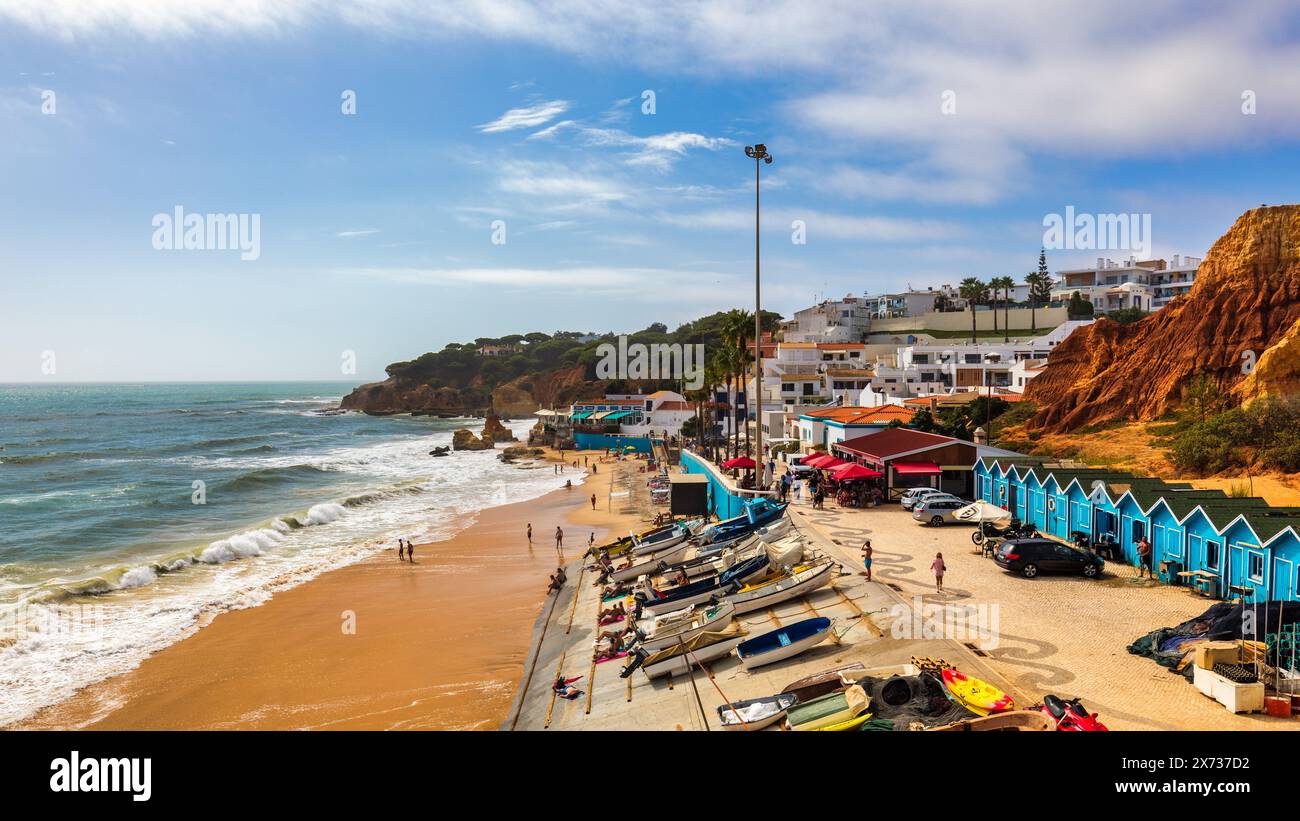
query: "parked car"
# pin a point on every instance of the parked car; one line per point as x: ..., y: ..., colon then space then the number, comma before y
x: 1030, y: 557
x: 912, y: 496
x: 797, y: 468
x: 938, y: 510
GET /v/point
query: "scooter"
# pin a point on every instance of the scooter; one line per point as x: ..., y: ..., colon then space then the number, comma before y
x: 1071, y: 716
x: 1015, y: 529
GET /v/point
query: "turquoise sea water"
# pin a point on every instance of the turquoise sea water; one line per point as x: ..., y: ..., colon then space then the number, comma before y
x: 100, y: 513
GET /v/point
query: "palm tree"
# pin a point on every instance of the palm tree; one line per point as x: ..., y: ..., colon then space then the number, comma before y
x: 737, y: 329
x: 972, y: 290
x: 1004, y: 284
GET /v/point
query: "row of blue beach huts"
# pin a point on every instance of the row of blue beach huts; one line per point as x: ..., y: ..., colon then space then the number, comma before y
x: 1228, y: 546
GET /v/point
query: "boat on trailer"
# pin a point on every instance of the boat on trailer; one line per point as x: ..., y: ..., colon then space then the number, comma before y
x: 784, y: 642
x: 754, y: 713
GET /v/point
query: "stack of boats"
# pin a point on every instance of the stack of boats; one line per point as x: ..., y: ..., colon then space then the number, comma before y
x: 688, y: 581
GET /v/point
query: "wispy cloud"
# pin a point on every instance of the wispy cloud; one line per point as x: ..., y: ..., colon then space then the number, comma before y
x: 364, y: 232
x: 657, y: 150
x: 527, y: 117
x: 551, y: 130
x: 817, y: 224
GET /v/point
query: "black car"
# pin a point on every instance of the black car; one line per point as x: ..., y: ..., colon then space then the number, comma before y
x: 1029, y: 557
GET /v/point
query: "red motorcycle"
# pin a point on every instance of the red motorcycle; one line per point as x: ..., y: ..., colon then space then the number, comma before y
x: 1071, y: 716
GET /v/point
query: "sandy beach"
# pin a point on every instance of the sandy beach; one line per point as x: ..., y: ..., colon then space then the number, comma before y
x: 438, y: 644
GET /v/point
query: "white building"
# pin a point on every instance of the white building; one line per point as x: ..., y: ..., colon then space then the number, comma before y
x: 1147, y: 285
x: 950, y: 367
x: 832, y: 320
x: 661, y: 412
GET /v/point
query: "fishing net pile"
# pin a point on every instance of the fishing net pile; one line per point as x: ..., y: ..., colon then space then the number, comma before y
x: 1173, y: 647
x: 898, y: 702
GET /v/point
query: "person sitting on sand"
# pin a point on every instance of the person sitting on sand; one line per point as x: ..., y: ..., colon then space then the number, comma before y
x: 561, y: 575
x: 617, y: 611
x: 554, y: 586
x: 612, y: 650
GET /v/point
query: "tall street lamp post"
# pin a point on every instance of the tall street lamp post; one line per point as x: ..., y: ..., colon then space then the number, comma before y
x: 757, y: 153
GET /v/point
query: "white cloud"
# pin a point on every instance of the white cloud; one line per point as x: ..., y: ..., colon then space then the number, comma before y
x: 660, y: 285
x: 364, y: 232
x: 550, y: 131
x: 527, y: 117
x: 657, y: 150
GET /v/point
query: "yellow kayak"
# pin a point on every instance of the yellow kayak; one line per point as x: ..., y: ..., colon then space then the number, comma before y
x: 845, y: 725
x: 980, y: 697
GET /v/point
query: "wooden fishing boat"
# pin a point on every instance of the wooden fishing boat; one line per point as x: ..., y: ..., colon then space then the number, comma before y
x: 754, y: 713
x: 980, y: 697
x: 1013, y: 721
x: 711, y: 620
x: 784, y: 642
x: 775, y: 530
x: 827, y: 681
x: 695, y: 593
x: 674, y: 660
x: 829, y: 710
x: 660, y: 541
x: 802, y: 581
x: 650, y: 563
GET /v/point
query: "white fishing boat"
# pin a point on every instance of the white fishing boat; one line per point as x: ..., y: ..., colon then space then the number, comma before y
x: 662, y: 541
x: 706, y: 647
x: 650, y: 563
x: 711, y: 620
x: 804, y: 580
x: 755, y: 713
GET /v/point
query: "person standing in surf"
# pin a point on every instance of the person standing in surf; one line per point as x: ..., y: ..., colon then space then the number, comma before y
x: 401, y: 550
x: 410, y: 551
x: 530, y: 535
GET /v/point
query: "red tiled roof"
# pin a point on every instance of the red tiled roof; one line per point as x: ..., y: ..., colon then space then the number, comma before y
x: 893, y: 441
x: 673, y: 406
x: 865, y: 416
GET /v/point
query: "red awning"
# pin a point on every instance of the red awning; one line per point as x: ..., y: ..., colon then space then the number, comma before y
x: 850, y: 472
x: 738, y: 462
x: 830, y: 463
x: 816, y: 461
x: 912, y: 468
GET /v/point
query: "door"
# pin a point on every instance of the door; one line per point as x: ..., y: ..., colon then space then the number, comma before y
x: 1284, y: 582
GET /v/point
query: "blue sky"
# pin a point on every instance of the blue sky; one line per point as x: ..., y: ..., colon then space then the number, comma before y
x: 376, y: 228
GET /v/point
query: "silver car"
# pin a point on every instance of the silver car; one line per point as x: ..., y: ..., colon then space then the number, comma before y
x: 938, y: 510
x: 913, y: 497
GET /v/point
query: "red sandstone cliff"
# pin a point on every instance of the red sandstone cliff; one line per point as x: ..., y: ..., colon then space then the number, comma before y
x: 1246, y: 299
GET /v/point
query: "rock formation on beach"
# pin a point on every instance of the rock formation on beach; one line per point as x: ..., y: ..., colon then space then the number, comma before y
x: 1240, y: 324
x: 494, y: 431
x: 464, y: 439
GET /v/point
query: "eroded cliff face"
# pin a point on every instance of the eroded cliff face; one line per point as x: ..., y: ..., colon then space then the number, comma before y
x: 1244, y: 307
x: 520, y: 397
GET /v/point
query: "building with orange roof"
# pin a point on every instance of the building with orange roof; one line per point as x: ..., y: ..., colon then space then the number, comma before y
x: 829, y: 426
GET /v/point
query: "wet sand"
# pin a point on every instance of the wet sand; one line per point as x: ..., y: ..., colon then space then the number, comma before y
x: 440, y: 644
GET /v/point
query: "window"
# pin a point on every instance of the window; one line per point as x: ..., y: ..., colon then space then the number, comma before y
x: 1256, y: 567
x: 1212, y: 555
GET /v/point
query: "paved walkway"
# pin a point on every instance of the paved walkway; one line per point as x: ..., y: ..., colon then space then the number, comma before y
x: 1057, y: 634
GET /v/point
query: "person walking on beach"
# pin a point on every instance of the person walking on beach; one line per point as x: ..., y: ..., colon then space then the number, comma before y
x: 866, y: 557
x: 530, y: 534
x: 938, y: 567
x: 593, y: 501
x: 591, y: 540
x: 401, y: 550
x: 559, y: 539
x: 410, y: 551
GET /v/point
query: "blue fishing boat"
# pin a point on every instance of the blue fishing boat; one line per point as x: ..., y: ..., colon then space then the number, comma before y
x: 783, y: 642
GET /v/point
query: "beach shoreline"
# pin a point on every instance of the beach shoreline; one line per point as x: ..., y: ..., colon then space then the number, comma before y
x: 380, y: 644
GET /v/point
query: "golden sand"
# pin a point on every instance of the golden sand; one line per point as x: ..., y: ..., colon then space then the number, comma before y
x: 438, y: 644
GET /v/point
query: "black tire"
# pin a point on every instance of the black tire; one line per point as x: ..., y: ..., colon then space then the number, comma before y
x: 977, y: 537
x: 1029, y: 571
x: 936, y: 521
x: 1091, y: 571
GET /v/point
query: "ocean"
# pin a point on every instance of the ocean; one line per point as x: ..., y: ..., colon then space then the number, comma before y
x: 110, y: 548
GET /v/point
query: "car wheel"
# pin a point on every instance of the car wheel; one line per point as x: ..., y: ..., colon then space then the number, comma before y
x: 936, y: 521
x: 977, y: 537
x: 1029, y: 571
x: 1091, y: 571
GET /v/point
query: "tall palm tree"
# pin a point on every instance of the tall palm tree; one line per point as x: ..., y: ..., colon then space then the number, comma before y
x: 1004, y: 284
x: 972, y: 290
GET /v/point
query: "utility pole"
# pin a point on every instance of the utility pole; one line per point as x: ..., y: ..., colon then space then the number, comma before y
x: 757, y: 153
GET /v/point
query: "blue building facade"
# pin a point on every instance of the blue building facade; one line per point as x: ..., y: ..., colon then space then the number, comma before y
x: 1251, y: 548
